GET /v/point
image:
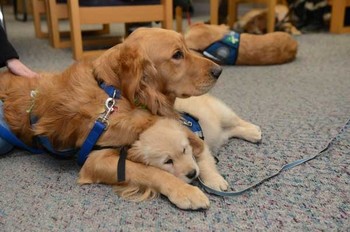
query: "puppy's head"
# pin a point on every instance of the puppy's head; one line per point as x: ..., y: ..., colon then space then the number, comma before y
x: 200, y: 35
x: 154, y: 65
x: 169, y: 146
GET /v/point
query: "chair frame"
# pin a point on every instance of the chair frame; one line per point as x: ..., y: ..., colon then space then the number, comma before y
x: 55, y: 12
x: 39, y: 10
x: 338, y: 16
x: 80, y: 15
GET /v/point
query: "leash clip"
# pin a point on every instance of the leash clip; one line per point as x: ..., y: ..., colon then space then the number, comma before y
x: 109, y: 106
x: 186, y: 122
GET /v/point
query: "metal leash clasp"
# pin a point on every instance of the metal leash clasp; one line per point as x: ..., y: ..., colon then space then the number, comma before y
x: 109, y: 108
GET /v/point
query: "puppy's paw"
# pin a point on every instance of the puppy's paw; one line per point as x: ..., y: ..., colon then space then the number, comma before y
x: 189, y: 197
x: 215, y: 181
x: 251, y: 133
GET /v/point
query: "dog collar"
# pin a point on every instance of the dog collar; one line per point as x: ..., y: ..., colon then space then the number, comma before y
x: 101, y: 124
x: 192, y: 123
x: 224, y: 51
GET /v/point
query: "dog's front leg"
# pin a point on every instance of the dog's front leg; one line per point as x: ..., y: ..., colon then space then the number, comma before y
x: 101, y: 167
x: 208, y: 171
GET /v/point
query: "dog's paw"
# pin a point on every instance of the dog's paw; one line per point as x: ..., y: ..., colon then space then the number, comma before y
x: 251, y: 133
x: 189, y: 197
x: 215, y: 181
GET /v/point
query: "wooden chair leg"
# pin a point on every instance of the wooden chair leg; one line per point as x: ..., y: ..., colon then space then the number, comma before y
x: 214, y: 12
x: 168, y: 9
x: 232, y: 12
x: 39, y: 9
x: 271, y: 15
x: 178, y: 16
x: 337, y: 16
x: 76, y: 37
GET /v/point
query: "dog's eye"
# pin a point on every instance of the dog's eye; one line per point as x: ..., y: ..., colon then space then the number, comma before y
x: 169, y: 161
x: 178, y: 55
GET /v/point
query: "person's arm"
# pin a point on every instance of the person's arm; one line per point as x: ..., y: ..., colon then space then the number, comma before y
x: 7, y: 51
x: 10, y: 58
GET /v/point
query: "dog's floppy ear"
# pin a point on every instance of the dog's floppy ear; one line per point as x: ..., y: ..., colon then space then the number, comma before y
x: 121, y: 66
x: 196, y: 143
x: 128, y: 68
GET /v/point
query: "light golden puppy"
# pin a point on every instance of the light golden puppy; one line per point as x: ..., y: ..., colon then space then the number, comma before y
x: 168, y: 145
x: 218, y: 121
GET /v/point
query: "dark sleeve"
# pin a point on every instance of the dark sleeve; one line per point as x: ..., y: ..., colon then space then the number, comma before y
x: 7, y: 51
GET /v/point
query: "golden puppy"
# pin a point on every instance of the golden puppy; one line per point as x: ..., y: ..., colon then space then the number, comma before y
x: 168, y: 146
x: 150, y: 69
x: 218, y: 121
x: 271, y: 48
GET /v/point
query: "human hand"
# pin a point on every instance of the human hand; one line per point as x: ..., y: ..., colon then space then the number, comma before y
x: 18, y: 68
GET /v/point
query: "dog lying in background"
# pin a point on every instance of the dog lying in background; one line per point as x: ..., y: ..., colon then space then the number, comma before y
x: 255, y: 21
x: 268, y: 49
x: 166, y: 144
x: 126, y: 89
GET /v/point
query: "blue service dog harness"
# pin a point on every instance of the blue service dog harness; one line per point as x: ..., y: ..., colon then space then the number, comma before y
x: 192, y: 123
x: 44, y: 145
x: 224, y: 51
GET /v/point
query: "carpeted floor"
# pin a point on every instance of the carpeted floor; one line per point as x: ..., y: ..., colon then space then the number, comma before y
x: 300, y: 106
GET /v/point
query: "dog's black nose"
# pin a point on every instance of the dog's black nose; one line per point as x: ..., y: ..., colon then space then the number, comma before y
x: 216, y: 71
x: 192, y: 174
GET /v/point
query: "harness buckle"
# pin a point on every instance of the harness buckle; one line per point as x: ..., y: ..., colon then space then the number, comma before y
x: 185, y: 122
x: 109, y: 108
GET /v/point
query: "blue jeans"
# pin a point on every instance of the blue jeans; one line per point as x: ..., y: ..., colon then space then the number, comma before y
x: 5, y: 146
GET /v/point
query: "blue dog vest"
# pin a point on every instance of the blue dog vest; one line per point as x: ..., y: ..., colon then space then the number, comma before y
x: 224, y: 51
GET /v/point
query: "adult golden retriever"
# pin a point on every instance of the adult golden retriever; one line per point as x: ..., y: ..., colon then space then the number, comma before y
x: 268, y: 49
x: 151, y: 68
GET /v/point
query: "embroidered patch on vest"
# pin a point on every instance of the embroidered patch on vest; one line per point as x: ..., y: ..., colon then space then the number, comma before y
x: 224, y: 51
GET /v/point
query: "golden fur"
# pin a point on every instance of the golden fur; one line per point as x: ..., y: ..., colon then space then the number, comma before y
x: 166, y: 144
x: 271, y: 48
x: 151, y: 68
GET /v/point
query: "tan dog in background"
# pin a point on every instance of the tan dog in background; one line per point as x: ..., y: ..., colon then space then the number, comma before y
x: 268, y: 49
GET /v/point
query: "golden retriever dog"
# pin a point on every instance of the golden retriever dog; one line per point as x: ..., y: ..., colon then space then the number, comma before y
x: 268, y: 49
x: 166, y: 144
x: 151, y: 68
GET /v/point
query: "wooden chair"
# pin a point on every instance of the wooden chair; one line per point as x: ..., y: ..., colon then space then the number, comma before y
x: 39, y: 10
x: 232, y: 11
x: 338, y: 16
x: 80, y: 15
x: 55, y: 12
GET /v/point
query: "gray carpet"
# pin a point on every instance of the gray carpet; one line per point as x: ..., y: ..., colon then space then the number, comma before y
x: 300, y: 106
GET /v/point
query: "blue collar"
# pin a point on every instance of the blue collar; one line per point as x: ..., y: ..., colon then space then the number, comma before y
x: 192, y: 123
x: 224, y: 51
